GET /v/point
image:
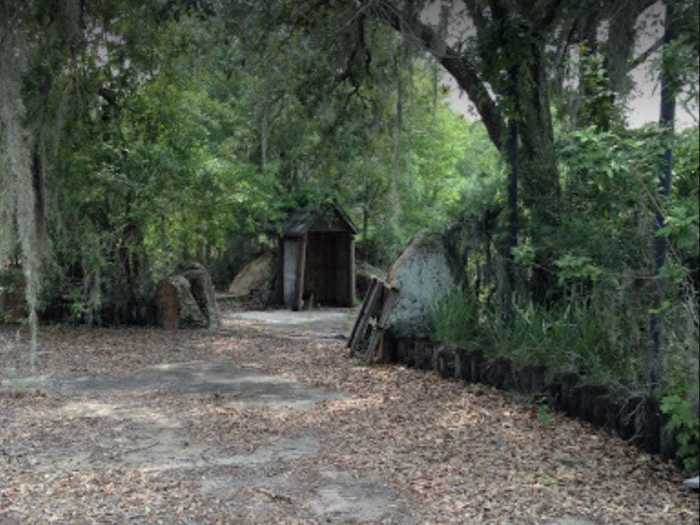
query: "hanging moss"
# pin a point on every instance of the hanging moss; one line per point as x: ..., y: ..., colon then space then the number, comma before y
x: 24, y: 139
x: 19, y: 226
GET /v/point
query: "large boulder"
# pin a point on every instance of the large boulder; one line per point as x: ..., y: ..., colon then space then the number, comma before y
x: 253, y: 276
x: 177, y: 307
x: 203, y: 292
x: 187, y: 300
x: 424, y: 275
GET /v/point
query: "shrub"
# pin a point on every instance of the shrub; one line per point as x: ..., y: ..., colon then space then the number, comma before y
x: 686, y: 427
x: 456, y: 320
x: 681, y: 387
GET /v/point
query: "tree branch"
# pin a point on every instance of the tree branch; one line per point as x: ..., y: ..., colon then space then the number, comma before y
x: 477, y: 13
x: 645, y: 54
x: 458, y: 65
x: 550, y: 10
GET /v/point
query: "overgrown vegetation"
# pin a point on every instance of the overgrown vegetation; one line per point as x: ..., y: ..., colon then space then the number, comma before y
x: 599, y: 327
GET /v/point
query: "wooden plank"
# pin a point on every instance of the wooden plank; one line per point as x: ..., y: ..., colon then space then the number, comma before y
x: 362, y: 313
x: 351, y: 271
x: 290, y: 271
x: 372, y: 300
x: 301, y: 270
x: 374, y: 342
x: 390, y: 296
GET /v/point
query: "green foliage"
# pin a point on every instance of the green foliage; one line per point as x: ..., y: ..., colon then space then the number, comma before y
x: 576, y: 338
x: 600, y: 330
x: 685, y: 424
x: 598, y: 106
x: 683, y: 209
x: 576, y: 267
x: 524, y: 254
x: 455, y: 320
x: 608, y: 178
x: 545, y: 416
x: 681, y: 399
x: 187, y: 142
x: 681, y: 226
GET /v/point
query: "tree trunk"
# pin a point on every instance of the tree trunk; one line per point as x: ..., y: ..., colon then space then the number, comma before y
x: 541, y: 191
x: 39, y: 187
x: 442, y: 32
x: 539, y: 174
x: 365, y: 222
x: 395, y: 196
x: 264, y: 134
x: 666, y: 122
x: 513, y: 219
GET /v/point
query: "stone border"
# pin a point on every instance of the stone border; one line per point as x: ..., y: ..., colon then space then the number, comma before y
x: 634, y: 417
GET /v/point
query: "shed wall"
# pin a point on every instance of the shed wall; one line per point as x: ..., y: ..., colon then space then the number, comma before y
x: 290, y: 256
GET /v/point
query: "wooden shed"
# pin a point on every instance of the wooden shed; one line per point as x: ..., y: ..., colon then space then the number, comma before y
x: 317, y: 262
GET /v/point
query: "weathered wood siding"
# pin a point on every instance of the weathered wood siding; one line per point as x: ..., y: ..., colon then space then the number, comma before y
x: 329, y: 274
x: 290, y: 254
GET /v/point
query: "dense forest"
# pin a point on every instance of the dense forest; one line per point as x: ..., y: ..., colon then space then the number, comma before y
x: 136, y: 136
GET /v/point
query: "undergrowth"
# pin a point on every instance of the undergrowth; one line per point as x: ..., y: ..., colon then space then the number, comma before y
x: 601, y: 338
x: 574, y: 338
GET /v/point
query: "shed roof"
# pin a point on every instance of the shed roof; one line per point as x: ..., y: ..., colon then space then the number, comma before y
x: 327, y: 218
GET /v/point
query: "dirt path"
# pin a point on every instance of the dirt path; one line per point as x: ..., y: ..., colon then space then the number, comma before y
x: 268, y: 421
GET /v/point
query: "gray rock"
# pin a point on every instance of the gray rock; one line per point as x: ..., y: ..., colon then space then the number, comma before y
x: 693, y: 483
x: 177, y: 307
x: 424, y: 276
x: 255, y: 275
x: 203, y: 293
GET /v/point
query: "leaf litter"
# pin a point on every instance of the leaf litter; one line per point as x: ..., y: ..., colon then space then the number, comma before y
x: 448, y: 453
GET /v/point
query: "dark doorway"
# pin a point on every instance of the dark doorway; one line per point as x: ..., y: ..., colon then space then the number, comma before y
x: 326, y: 277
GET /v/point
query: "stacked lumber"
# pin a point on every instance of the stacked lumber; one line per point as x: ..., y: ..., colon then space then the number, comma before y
x: 367, y: 336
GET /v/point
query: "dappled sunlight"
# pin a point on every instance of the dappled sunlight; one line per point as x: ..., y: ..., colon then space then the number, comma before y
x: 89, y: 408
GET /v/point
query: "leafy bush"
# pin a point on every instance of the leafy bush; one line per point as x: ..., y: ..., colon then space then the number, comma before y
x: 681, y: 378
x: 686, y: 427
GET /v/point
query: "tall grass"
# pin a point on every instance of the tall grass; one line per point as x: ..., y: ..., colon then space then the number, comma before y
x: 577, y: 337
x: 455, y: 320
